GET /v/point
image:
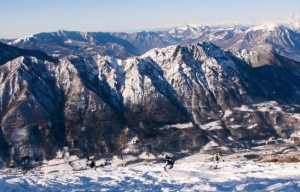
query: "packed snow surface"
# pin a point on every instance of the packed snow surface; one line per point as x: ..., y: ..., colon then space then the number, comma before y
x: 189, y: 174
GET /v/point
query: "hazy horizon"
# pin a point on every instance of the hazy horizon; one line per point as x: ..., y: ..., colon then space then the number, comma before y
x: 23, y: 18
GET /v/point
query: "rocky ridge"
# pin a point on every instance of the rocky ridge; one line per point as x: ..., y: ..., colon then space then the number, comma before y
x: 178, y: 99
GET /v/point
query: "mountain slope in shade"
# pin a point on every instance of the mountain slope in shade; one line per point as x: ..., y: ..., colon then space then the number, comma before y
x: 63, y: 43
x: 145, y: 41
x: 176, y: 99
x: 9, y: 53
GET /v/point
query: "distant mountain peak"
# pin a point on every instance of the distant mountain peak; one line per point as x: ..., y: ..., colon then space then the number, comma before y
x: 21, y: 40
x: 265, y: 27
x: 293, y: 18
x: 291, y: 22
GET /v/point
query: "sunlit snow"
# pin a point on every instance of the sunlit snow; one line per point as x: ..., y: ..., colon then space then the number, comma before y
x: 189, y: 174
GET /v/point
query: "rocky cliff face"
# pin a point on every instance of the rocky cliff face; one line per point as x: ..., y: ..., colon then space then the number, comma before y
x: 177, y: 99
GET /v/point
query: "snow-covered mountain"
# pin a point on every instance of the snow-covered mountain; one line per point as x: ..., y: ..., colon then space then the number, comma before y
x: 145, y: 41
x: 258, y: 42
x: 177, y: 99
x: 63, y: 43
x: 254, y: 44
x: 181, y: 35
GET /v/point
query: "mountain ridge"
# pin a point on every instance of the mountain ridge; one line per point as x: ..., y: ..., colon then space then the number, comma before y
x: 98, y: 104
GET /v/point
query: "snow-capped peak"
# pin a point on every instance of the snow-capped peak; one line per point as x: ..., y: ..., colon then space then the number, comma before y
x: 265, y: 27
x: 294, y: 18
x: 204, y: 49
x: 293, y: 22
x: 21, y: 40
x: 192, y: 28
x: 186, y: 30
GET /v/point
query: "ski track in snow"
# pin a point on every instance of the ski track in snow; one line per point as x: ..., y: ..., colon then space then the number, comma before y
x: 187, y: 175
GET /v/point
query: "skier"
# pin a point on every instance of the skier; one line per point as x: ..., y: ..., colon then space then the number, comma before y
x: 93, y: 164
x: 217, y: 158
x: 90, y: 162
x: 169, y: 162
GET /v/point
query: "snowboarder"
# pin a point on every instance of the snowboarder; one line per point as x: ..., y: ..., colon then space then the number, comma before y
x: 217, y: 158
x: 169, y: 162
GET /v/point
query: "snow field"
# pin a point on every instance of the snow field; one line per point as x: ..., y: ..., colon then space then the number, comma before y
x: 188, y: 174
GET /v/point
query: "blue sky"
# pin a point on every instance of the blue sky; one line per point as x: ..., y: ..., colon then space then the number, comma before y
x: 25, y: 17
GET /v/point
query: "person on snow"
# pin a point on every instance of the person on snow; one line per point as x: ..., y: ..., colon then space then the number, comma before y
x: 169, y: 162
x: 90, y: 162
x: 217, y: 158
x: 93, y: 164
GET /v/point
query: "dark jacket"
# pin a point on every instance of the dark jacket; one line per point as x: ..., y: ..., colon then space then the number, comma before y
x: 169, y: 160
